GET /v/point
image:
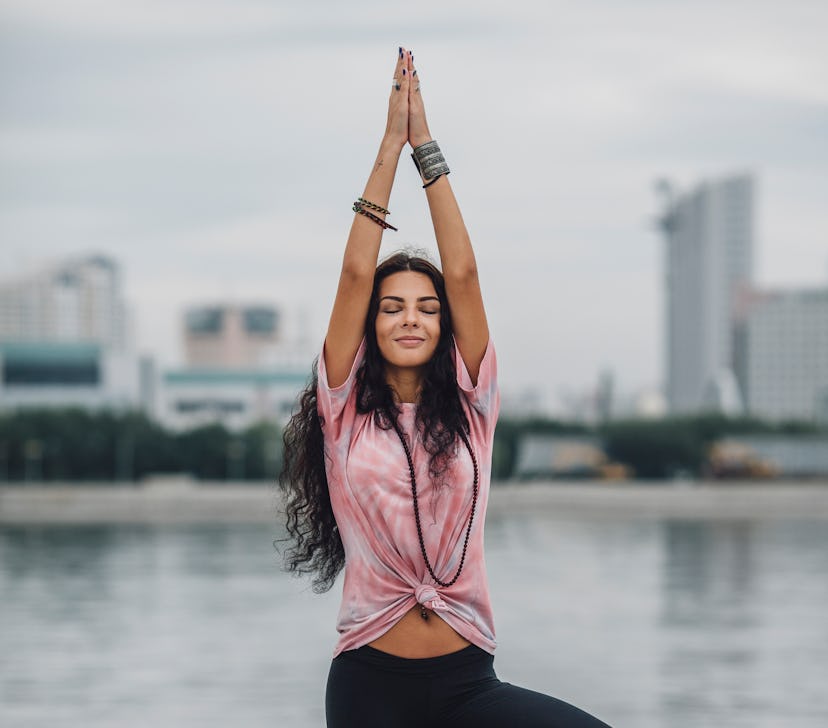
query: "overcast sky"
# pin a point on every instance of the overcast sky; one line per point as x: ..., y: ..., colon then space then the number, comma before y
x: 215, y: 147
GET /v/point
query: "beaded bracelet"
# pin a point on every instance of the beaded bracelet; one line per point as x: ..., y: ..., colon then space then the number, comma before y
x: 373, y: 205
x: 358, y: 208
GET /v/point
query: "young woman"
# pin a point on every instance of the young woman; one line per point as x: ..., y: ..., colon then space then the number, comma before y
x: 387, y: 467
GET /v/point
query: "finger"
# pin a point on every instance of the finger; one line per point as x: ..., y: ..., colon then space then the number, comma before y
x: 396, y: 81
x: 412, y: 71
x: 405, y: 78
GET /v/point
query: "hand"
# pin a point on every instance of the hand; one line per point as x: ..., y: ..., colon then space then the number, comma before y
x: 396, y: 128
x: 418, y: 132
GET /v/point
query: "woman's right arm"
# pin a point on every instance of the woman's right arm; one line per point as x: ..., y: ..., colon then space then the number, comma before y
x: 347, y: 323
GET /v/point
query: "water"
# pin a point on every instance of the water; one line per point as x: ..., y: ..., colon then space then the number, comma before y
x: 645, y: 623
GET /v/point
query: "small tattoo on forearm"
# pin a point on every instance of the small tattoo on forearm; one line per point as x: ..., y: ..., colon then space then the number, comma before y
x: 379, y: 164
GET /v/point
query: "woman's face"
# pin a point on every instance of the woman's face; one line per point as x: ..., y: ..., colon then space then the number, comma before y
x: 408, y: 320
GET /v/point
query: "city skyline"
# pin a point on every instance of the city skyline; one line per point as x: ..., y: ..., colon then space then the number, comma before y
x: 205, y: 149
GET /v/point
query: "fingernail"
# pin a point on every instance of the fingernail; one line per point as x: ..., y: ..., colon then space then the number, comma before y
x: 403, y: 72
x: 415, y: 72
x: 400, y: 51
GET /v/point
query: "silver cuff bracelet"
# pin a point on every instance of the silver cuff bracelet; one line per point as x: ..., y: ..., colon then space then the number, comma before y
x: 430, y: 161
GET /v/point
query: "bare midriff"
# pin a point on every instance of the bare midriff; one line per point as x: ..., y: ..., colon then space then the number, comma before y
x: 415, y: 637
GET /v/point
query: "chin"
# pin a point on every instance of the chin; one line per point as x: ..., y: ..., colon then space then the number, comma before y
x: 409, y: 362
x: 407, y: 359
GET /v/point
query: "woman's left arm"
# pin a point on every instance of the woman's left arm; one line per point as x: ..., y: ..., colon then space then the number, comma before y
x: 471, y: 330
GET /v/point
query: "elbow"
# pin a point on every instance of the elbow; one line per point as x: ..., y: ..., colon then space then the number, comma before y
x: 461, y: 274
x: 357, y: 271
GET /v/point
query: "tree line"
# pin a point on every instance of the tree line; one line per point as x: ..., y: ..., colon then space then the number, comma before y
x: 76, y: 444
x: 652, y: 448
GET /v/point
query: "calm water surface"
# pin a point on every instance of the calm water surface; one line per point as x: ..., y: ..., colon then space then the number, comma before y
x: 646, y: 623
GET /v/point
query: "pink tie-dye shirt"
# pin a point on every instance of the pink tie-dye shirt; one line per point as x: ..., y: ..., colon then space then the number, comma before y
x: 370, y: 488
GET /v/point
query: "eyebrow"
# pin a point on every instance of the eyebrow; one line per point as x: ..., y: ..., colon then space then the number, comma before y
x: 398, y: 299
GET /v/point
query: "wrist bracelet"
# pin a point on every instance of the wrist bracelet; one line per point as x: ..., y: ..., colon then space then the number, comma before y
x: 373, y: 205
x: 430, y: 161
x: 358, y: 208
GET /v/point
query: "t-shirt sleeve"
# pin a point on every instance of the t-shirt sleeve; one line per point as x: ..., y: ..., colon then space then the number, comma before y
x: 337, y: 403
x: 484, y: 398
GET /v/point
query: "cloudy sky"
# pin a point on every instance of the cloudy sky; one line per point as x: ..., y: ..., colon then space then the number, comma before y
x: 215, y: 147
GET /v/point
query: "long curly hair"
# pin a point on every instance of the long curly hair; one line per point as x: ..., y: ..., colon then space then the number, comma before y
x: 316, y: 543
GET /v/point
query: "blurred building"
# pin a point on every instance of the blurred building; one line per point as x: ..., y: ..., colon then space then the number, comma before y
x: 708, y: 235
x: 605, y: 396
x: 230, y: 335
x: 545, y: 456
x: 786, y: 341
x: 67, y: 374
x: 239, y: 370
x: 77, y: 299
x: 769, y: 456
x: 64, y: 338
x: 237, y: 398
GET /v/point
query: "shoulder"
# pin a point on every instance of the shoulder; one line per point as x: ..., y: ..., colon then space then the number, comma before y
x: 486, y: 382
x: 337, y: 403
x: 481, y: 398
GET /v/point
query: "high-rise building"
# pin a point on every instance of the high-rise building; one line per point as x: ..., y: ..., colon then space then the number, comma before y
x: 74, y: 300
x: 786, y: 339
x: 64, y: 339
x: 708, y: 234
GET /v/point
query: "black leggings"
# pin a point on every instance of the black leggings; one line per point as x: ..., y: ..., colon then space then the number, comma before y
x: 372, y: 689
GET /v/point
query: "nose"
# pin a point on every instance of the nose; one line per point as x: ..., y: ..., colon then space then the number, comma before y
x: 411, y: 317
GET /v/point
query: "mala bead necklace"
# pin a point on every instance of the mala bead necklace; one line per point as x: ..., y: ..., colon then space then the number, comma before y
x: 423, y: 612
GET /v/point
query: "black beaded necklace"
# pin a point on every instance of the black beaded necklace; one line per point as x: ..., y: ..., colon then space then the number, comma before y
x: 423, y: 612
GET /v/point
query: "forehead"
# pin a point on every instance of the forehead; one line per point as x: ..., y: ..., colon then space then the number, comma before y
x: 407, y: 284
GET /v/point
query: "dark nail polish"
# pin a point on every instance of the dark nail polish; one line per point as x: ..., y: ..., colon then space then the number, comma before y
x: 403, y: 72
x: 415, y: 72
x: 400, y: 51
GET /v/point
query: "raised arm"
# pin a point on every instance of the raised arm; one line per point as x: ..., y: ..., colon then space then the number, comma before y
x: 353, y: 294
x: 471, y: 330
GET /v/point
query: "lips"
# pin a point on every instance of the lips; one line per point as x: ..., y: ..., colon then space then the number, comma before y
x: 409, y: 340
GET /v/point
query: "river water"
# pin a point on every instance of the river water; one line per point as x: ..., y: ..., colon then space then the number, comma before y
x: 646, y: 623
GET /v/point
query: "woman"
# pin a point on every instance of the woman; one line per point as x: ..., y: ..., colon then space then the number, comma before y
x: 388, y: 464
